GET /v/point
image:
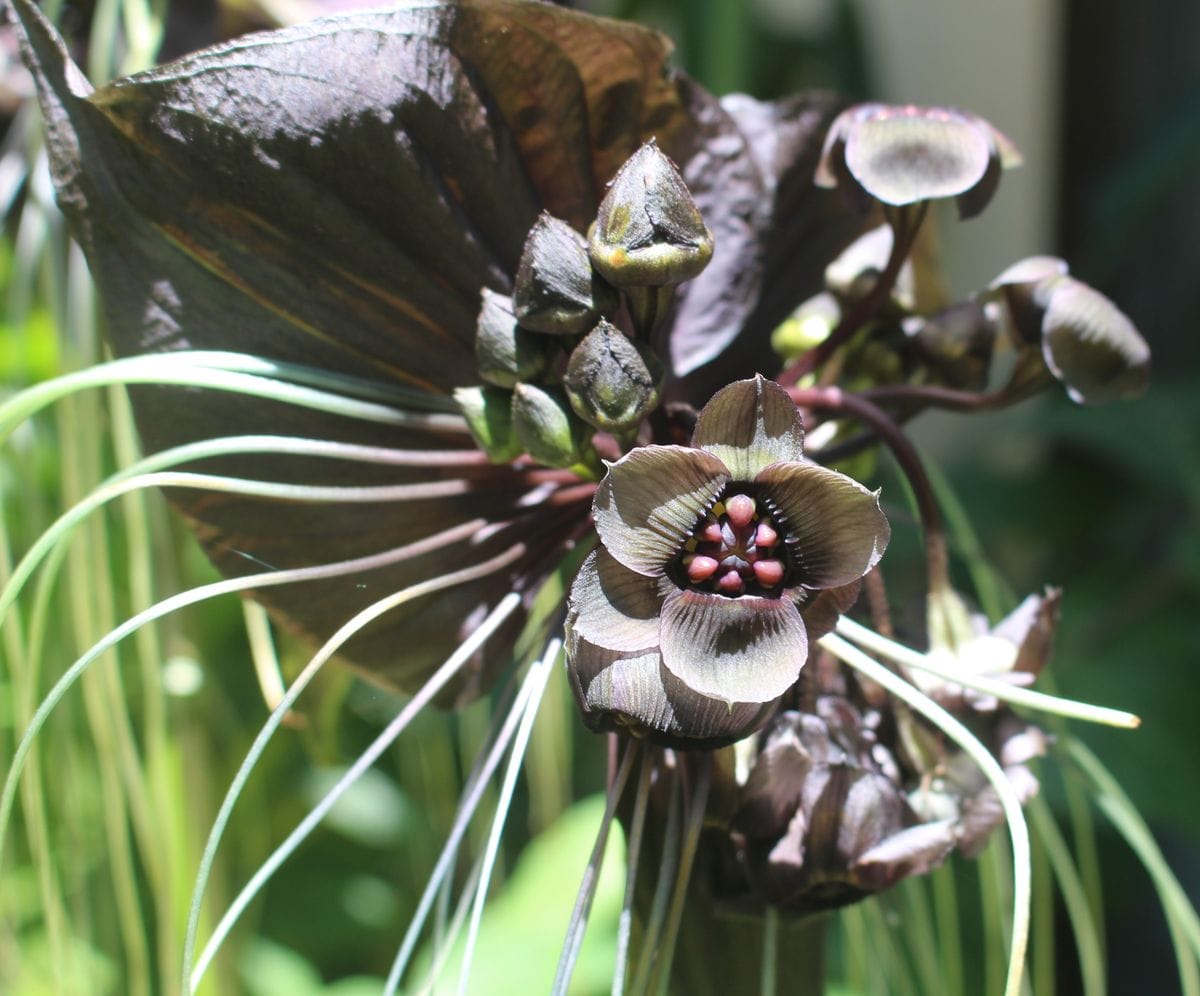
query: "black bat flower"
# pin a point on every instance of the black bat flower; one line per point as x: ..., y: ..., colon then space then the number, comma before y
x: 338, y: 196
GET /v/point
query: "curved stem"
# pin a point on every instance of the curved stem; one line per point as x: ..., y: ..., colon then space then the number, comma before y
x: 937, y: 561
x: 906, y: 223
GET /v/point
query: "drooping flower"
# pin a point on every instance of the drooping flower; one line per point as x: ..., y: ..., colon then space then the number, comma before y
x: 688, y: 623
x: 1085, y: 341
x: 833, y: 809
x: 900, y: 155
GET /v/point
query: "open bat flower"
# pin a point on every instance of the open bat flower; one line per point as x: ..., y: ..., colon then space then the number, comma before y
x: 687, y: 625
x: 899, y: 155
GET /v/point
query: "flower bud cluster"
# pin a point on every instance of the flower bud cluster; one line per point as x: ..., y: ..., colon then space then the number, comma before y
x: 1057, y: 327
x: 556, y: 364
x: 898, y: 159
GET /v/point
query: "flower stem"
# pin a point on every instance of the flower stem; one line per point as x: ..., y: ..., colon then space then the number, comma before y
x: 937, y: 562
x: 906, y: 223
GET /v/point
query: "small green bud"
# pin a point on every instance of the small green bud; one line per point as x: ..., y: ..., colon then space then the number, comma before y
x: 547, y: 428
x: 612, y: 382
x: 557, y: 292
x: 807, y: 326
x: 649, y: 232
x: 488, y: 411
x: 957, y: 342
x: 504, y: 352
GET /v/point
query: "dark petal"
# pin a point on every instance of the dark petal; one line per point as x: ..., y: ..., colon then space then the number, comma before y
x: 749, y: 425
x: 773, y: 791
x: 650, y: 501
x: 787, y: 870
x: 634, y: 693
x: 821, y: 610
x: 745, y: 649
x: 1022, y: 285
x: 1091, y: 346
x: 1030, y: 627
x: 614, y: 608
x: 834, y: 524
x: 1032, y: 270
x: 902, y: 155
x: 832, y: 172
x: 912, y: 851
x: 873, y: 809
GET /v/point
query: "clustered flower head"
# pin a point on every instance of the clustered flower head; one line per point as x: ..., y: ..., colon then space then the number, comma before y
x: 695, y: 614
x: 562, y: 332
x: 556, y: 366
x: 835, y: 807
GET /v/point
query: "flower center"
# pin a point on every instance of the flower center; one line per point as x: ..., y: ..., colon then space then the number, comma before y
x: 735, y: 550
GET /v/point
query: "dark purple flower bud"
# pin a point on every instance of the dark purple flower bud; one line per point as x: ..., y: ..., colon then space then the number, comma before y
x: 613, y: 382
x: 557, y: 291
x: 822, y: 819
x: 957, y: 343
x: 1086, y: 342
x: 648, y: 232
x: 853, y: 274
x: 901, y: 155
x: 505, y: 353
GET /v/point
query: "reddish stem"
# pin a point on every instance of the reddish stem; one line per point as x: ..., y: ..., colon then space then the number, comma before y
x: 905, y: 222
x: 835, y: 399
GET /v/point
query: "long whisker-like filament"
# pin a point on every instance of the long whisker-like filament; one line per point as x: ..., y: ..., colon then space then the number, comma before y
x: 1013, y: 694
x: 662, y: 889
x: 504, y: 608
x: 691, y: 840
x: 473, y: 791
x: 239, y: 373
x: 202, y: 593
x: 539, y: 675
x: 591, y: 875
x: 637, y: 827
x: 969, y: 743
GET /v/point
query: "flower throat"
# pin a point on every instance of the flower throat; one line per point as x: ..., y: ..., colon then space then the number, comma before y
x: 737, y: 549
